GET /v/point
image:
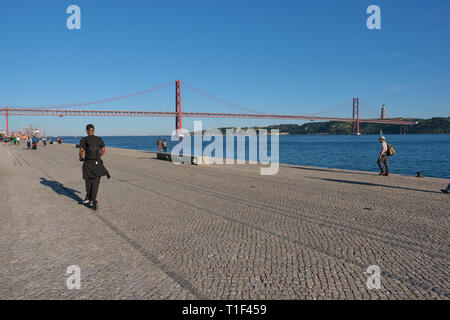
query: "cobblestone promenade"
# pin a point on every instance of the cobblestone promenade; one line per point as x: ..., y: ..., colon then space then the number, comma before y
x: 216, y: 232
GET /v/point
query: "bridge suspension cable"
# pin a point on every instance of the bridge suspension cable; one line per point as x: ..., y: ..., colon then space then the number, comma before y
x: 210, y: 96
x: 367, y: 107
x: 71, y: 105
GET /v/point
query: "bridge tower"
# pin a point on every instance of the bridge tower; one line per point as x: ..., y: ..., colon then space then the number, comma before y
x: 403, y: 129
x: 178, y: 119
x: 7, y: 124
x: 356, y: 115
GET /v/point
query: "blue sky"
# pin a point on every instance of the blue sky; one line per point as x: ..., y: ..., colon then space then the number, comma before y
x: 290, y: 57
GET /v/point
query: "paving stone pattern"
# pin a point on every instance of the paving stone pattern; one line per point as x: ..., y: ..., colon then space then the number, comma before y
x: 166, y: 231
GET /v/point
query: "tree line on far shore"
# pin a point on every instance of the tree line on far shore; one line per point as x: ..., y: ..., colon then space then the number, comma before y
x: 439, y: 125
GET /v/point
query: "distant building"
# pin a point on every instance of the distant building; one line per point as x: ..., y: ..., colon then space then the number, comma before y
x: 383, y: 112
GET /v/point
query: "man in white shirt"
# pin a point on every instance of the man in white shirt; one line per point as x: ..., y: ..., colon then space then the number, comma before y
x: 383, y: 158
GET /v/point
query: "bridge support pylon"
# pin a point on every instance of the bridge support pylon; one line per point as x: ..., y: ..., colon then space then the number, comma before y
x: 403, y: 129
x: 356, y: 115
x: 7, y: 124
x: 178, y: 117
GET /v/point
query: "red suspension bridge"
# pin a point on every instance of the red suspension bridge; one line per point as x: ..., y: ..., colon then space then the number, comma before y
x: 134, y: 105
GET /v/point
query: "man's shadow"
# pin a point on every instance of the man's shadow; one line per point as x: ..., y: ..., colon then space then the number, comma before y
x: 59, y: 188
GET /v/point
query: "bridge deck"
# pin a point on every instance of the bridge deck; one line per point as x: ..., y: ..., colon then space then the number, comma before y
x: 117, y: 113
x: 166, y: 231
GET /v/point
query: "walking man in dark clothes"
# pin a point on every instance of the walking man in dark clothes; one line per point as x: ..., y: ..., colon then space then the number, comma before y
x: 92, y: 149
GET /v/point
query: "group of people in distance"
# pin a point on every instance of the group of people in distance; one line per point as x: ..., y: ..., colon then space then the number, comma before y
x: 31, y: 140
x: 162, y: 144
